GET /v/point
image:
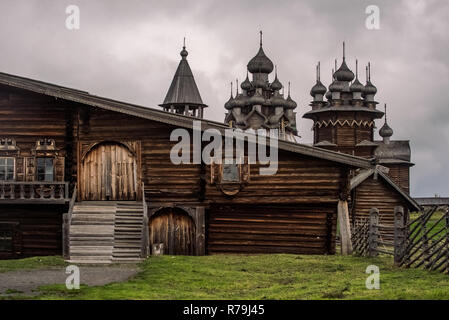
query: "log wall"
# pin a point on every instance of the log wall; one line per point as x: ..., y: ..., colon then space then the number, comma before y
x: 39, y: 228
x: 299, y: 229
x: 377, y: 194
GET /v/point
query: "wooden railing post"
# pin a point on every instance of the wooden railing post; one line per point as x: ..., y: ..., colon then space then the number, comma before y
x: 399, y: 234
x: 145, y: 246
x: 373, y: 231
x: 66, y: 222
x: 65, y: 236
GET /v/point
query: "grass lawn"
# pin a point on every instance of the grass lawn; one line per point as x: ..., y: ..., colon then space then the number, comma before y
x: 31, y: 263
x: 279, y: 276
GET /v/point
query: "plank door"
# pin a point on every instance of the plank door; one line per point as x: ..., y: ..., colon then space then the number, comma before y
x: 175, y: 229
x: 109, y: 173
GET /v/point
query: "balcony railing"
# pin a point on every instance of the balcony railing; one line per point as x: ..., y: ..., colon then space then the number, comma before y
x: 13, y: 191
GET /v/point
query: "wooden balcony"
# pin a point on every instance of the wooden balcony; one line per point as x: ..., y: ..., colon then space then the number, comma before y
x: 34, y: 192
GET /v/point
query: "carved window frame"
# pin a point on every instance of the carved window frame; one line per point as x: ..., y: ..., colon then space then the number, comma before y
x: 45, y: 148
x: 230, y: 188
x: 9, y: 150
x: 6, y: 166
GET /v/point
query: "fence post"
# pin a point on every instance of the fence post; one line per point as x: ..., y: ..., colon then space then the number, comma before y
x: 399, y: 234
x: 373, y: 231
x: 446, y: 212
x: 425, y: 240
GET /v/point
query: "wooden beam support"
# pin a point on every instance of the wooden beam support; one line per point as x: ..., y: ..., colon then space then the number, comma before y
x: 345, y: 228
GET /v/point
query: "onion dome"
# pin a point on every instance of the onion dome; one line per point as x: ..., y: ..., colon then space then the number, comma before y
x: 369, y: 87
x: 276, y: 85
x: 385, y: 131
x: 257, y: 99
x: 184, y: 53
x: 356, y: 86
x: 230, y: 103
x: 290, y: 103
x: 336, y: 86
x: 344, y: 73
x: 318, y: 88
x: 260, y: 63
x: 329, y: 95
x: 278, y: 100
x: 246, y: 85
x: 240, y: 101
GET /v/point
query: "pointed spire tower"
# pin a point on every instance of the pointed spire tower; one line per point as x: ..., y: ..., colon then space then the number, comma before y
x: 183, y: 96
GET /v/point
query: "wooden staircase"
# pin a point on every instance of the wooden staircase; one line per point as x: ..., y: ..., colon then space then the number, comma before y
x: 128, y: 232
x: 106, y: 232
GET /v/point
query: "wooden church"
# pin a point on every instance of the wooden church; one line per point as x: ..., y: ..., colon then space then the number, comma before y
x: 91, y: 178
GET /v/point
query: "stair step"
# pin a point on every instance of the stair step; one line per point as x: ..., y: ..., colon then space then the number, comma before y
x: 128, y: 250
x: 83, y: 261
x: 92, y: 229
x: 102, y: 232
x: 93, y: 223
x: 91, y: 257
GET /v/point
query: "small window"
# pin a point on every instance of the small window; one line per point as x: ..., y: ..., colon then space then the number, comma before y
x: 231, y: 172
x: 5, y: 241
x: 45, y: 169
x: 7, y: 169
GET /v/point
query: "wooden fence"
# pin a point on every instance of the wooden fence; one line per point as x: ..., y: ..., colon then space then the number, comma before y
x: 421, y: 242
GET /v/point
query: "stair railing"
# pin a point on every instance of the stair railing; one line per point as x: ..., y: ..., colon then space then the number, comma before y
x: 66, y: 222
x: 145, y: 246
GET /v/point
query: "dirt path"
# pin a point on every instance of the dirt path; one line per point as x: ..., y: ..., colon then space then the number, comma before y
x: 25, y: 281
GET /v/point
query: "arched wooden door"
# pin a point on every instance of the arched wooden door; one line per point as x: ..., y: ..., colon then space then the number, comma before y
x: 175, y: 229
x: 109, y: 173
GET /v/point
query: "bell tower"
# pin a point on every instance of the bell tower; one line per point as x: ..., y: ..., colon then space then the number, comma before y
x: 183, y: 96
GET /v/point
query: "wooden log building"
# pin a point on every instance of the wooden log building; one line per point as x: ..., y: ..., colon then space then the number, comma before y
x: 91, y: 178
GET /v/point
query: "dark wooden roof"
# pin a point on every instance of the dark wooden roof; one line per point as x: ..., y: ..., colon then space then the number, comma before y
x: 433, y: 201
x: 183, y: 89
x: 84, y: 98
x: 377, y: 114
x: 365, y: 174
x: 396, y: 151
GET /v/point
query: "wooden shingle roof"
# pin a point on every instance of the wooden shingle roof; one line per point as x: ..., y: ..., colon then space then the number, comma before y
x: 85, y: 98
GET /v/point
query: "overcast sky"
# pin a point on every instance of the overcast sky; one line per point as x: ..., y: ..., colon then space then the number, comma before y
x: 129, y: 50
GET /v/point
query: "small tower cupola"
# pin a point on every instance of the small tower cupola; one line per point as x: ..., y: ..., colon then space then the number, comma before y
x: 276, y: 85
x: 318, y: 90
x: 183, y: 96
x: 336, y: 87
x: 369, y: 90
x: 356, y: 87
x: 344, y: 74
x: 260, y: 64
x: 386, y: 132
